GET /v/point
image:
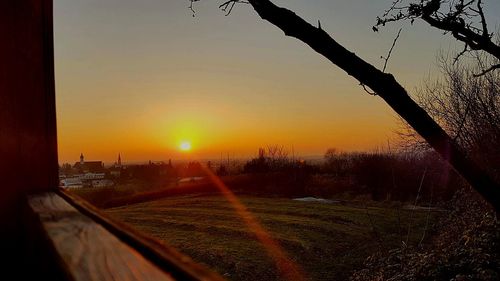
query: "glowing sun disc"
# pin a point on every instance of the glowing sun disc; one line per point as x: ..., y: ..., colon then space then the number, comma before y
x: 185, y: 146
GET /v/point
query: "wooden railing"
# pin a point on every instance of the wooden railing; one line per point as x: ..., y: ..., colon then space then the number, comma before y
x: 88, y: 245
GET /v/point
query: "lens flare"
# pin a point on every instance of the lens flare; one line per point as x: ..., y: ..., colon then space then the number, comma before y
x: 287, y: 268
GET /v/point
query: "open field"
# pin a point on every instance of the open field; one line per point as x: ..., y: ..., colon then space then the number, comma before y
x: 327, y: 240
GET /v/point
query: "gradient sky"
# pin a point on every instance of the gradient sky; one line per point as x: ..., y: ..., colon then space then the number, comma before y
x: 138, y: 77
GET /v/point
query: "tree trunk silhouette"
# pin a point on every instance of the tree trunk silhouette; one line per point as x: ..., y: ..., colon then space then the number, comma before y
x: 385, y: 86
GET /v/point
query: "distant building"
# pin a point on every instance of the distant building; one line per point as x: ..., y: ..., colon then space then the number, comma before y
x: 88, y: 166
x: 91, y: 176
x: 118, y: 163
x: 102, y: 183
x: 116, y: 170
x: 86, y: 174
x: 70, y: 183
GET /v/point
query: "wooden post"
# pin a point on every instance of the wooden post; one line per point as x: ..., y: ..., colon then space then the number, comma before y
x: 28, y: 141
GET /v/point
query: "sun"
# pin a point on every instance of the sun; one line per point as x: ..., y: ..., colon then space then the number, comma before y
x: 185, y: 146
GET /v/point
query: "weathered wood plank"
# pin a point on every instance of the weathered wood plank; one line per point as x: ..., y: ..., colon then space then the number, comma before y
x: 88, y: 251
x: 180, y: 266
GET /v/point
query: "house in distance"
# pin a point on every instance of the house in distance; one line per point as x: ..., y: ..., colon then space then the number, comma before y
x: 88, y: 166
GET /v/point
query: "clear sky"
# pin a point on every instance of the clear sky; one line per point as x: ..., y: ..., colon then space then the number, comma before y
x: 139, y: 77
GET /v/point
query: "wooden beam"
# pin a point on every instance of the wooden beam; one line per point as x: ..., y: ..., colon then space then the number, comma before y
x: 28, y: 138
x: 86, y: 250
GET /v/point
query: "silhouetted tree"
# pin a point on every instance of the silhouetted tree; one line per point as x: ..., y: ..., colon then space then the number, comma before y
x: 194, y: 169
x: 464, y: 19
x: 276, y: 173
x: 385, y: 85
x: 66, y: 169
x: 468, y: 108
x: 272, y: 159
x: 394, y: 176
x: 221, y: 170
x: 337, y: 163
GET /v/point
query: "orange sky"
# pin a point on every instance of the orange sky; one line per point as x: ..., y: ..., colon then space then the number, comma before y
x: 138, y: 77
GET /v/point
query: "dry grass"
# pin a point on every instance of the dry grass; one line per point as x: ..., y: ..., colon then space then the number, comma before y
x: 327, y: 240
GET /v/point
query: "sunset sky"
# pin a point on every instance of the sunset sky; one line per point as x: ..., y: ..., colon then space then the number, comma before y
x: 141, y: 77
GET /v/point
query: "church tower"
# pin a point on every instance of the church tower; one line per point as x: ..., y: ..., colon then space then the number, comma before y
x: 119, y: 160
x: 81, y: 159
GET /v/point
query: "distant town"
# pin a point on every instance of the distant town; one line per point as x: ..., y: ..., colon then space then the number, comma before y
x: 94, y: 174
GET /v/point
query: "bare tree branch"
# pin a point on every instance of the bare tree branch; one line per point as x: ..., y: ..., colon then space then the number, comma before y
x: 229, y: 5
x: 483, y: 19
x: 226, y: 6
x: 465, y: 21
x: 457, y: 57
x: 386, y: 86
x: 491, y: 68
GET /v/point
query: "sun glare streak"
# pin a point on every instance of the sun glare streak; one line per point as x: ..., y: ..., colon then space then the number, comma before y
x: 287, y: 268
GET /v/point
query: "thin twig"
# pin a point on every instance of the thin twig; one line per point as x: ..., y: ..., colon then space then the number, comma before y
x: 427, y: 219
x: 390, y: 50
x: 491, y: 68
x: 229, y: 5
x: 191, y: 2
x: 415, y: 206
x: 462, y: 121
x: 483, y: 19
x: 366, y: 90
x: 457, y: 57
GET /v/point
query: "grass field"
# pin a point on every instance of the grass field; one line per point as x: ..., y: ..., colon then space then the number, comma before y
x: 327, y: 240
